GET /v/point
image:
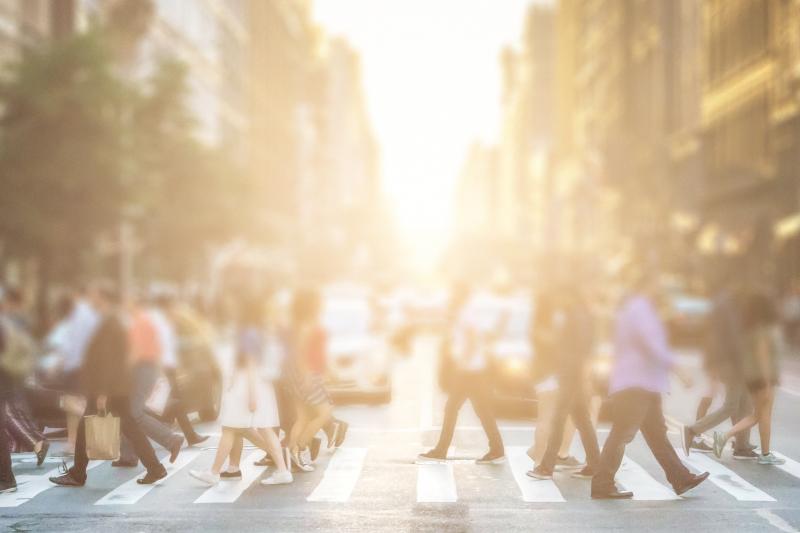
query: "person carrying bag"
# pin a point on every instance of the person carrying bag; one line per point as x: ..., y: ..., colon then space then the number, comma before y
x: 102, y: 437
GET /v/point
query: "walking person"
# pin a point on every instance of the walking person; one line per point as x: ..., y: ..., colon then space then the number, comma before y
x: 249, y: 409
x: 478, y: 323
x: 146, y: 357
x: 106, y: 383
x: 8, y: 482
x: 761, y: 373
x: 640, y: 375
x: 725, y: 357
x: 574, y: 346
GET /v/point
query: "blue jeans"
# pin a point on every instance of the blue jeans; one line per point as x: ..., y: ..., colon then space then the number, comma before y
x: 144, y: 379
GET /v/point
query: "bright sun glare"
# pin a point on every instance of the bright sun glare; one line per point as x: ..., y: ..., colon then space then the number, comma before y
x: 432, y: 78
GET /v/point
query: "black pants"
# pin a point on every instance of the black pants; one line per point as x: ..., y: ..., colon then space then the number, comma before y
x: 572, y: 401
x: 21, y: 427
x: 634, y: 410
x: 118, y: 406
x: 475, y: 387
x: 6, y: 473
x: 176, y: 409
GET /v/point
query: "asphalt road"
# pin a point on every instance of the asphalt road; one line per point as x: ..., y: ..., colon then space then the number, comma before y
x: 372, y: 484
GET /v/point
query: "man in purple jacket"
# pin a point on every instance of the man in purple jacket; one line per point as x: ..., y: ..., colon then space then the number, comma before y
x: 640, y: 375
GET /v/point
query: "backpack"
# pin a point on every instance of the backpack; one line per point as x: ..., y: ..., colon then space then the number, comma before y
x: 18, y: 356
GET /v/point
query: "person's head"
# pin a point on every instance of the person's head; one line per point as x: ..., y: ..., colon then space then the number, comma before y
x: 103, y: 296
x: 306, y: 306
x: 758, y: 309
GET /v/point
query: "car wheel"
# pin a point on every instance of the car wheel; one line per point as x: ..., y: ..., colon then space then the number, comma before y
x: 211, y: 411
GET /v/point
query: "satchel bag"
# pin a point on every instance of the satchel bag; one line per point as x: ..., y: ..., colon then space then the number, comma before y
x: 102, y: 437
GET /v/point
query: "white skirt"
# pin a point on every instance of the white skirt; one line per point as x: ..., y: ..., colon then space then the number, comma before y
x: 235, y: 411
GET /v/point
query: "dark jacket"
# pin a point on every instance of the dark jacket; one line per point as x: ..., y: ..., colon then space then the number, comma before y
x: 105, y: 368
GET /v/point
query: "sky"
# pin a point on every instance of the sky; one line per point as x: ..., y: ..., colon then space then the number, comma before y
x: 433, y: 82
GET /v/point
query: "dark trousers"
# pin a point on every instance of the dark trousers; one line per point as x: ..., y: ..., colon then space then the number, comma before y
x: 176, y: 410
x: 6, y: 473
x: 475, y: 387
x: 572, y: 401
x: 634, y: 410
x: 19, y: 424
x: 118, y: 406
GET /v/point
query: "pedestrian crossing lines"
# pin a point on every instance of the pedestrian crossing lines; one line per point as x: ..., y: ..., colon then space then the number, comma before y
x: 340, y: 475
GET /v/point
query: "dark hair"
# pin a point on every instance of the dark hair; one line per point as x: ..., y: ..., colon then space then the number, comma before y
x: 305, y: 305
x: 758, y: 310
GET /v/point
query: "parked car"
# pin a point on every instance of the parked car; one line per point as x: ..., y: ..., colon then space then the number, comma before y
x: 359, y: 363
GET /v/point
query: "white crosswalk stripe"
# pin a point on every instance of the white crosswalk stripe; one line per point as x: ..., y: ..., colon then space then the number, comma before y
x: 644, y: 487
x: 436, y: 483
x: 340, y: 477
x: 791, y: 466
x: 533, y: 490
x: 131, y: 492
x: 28, y: 486
x: 726, y: 479
x: 229, y: 491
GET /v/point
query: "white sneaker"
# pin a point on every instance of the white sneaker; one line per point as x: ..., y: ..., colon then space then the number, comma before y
x: 305, y: 456
x: 299, y: 463
x: 206, y: 476
x: 278, y: 478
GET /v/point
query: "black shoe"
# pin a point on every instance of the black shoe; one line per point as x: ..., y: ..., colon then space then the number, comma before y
x: 745, y: 455
x: 151, y: 477
x: 691, y: 483
x: 330, y: 432
x: 175, y: 449
x: 699, y: 445
x: 196, y: 439
x: 42, y: 453
x: 341, y: 433
x: 492, y: 458
x: 264, y: 461
x: 122, y: 463
x: 8, y: 486
x: 433, y: 456
x: 231, y: 475
x: 314, y: 447
x: 67, y: 477
x: 614, y: 493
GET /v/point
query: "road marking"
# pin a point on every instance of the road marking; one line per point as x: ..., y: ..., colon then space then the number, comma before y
x: 644, y: 487
x: 229, y: 491
x: 726, y: 479
x: 436, y: 482
x: 131, y: 492
x: 776, y: 521
x: 791, y: 466
x: 340, y: 476
x: 533, y: 490
x: 28, y: 486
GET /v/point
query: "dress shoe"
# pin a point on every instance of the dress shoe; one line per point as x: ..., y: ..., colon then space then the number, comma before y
x: 691, y: 483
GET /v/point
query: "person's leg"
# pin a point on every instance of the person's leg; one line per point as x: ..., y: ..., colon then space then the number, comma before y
x: 453, y: 405
x: 583, y: 422
x: 654, y: 430
x: 141, y: 383
x: 482, y: 399
x: 301, y: 421
x: 78, y: 470
x: 273, y: 447
x: 6, y: 471
x: 17, y: 428
x: 120, y: 405
x: 567, y: 436
x: 628, y: 411
x: 235, y: 457
x: 224, y: 448
x: 703, y: 406
x: 563, y: 406
x: 725, y: 411
x: 321, y: 413
x: 744, y: 408
x: 764, y: 401
x: 545, y: 409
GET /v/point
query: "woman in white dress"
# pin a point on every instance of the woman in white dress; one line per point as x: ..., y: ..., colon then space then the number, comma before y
x: 249, y: 409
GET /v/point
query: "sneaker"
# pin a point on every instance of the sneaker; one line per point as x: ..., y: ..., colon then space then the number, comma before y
x: 341, y: 433
x: 699, y: 445
x: 693, y: 481
x: 719, y: 444
x: 237, y: 474
x: 568, y: 463
x: 206, y: 476
x: 330, y: 433
x: 314, y: 447
x: 431, y: 457
x: 152, y: 476
x: 491, y: 458
x: 540, y: 472
x: 583, y: 473
x: 687, y: 439
x: 8, y: 486
x: 745, y: 455
x: 305, y: 456
x: 299, y: 463
x: 278, y: 478
x: 770, y: 459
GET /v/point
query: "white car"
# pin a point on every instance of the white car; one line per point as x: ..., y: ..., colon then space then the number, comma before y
x: 359, y: 365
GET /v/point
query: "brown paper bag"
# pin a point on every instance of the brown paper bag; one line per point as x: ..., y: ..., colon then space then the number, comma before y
x: 102, y: 437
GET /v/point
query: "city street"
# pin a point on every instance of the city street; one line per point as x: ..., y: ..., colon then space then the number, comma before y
x: 372, y: 483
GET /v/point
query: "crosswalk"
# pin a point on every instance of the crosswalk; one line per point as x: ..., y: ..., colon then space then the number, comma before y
x: 340, y: 474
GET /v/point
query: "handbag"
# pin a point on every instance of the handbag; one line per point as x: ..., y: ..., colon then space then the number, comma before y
x: 102, y: 437
x: 157, y: 401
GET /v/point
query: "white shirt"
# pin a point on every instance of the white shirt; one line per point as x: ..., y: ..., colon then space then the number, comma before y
x: 80, y: 328
x: 483, y: 316
x: 167, y: 338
